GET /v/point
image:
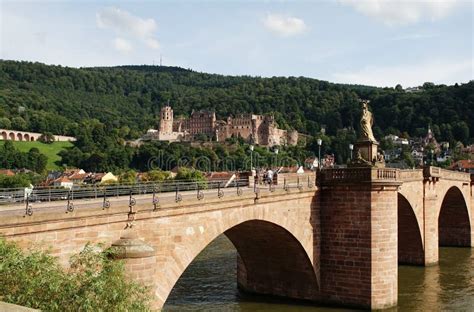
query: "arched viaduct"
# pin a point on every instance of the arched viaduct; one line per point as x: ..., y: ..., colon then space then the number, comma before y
x: 14, y: 135
x: 434, y: 209
x: 338, y: 242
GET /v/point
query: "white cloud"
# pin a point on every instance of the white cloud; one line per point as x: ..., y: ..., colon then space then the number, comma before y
x: 414, y: 36
x: 122, y: 45
x: 402, y: 12
x: 284, y: 26
x: 152, y: 43
x: 437, y: 71
x: 127, y: 24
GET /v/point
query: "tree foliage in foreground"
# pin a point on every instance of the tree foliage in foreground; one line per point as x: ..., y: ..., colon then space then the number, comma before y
x: 92, y: 283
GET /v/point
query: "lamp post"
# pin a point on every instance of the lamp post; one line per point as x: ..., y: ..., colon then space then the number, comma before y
x: 319, y: 153
x: 422, y: 156
x: 276, y: 157
x: 251, y: 157
x: 351, y: 147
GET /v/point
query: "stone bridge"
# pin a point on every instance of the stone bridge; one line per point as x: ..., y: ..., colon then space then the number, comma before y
x: 337, y: 242
x: 14, y: 135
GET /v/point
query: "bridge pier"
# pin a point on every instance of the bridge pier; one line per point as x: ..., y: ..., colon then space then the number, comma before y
x: 336, y: 243
x: 359, y: 262
x: 430, y: 220
x: 139, y: 260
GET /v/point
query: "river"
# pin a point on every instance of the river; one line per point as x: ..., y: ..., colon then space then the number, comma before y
x: 209, y: 284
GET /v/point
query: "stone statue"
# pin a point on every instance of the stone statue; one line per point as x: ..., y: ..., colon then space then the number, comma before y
x: 380, y: 157
x: 366, y: 123
x: 359, y: 160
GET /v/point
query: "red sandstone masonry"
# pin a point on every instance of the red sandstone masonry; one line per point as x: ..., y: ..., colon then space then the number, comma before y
x: 345, y: 229
x: 341, y: 240
x: 180, y: 232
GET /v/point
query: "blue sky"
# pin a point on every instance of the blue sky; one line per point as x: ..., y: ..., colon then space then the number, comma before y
x: 374, y: 42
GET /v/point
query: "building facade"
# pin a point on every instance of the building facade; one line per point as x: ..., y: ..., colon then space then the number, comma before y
x: 256, y: 129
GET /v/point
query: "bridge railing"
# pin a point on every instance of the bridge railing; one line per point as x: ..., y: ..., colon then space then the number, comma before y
x: 436, y: 172
x: 175, y: 190
x: 49, y: 194
x: 411, y: 175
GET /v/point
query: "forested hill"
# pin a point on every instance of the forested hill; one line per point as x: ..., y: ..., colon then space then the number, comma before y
x: 44, y: 98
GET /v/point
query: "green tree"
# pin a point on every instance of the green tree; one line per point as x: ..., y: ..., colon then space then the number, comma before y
x: 407, y: 157
x: 11, y: 158
x: 157, y: 176
x: 16, y: 181
x: 46, y: 137
x: 187, y: 174
x: 36, y: 161
x: 18, y: 123
x: 93, y: 282
x: 5, y: 123
x: 201, y: 137
x: 461, y: 131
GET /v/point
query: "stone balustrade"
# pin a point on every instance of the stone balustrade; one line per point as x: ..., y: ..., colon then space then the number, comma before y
x: 359, y: 175
x: 437, y: 173
x: 411, y: 175
x: 369, y: 174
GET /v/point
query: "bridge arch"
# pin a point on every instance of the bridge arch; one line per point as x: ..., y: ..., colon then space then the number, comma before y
x: 454, y: 226
x: 271, y: 261
x: 410, y: 242
x: 26, y: 137
x: 11, y: 135
x: 19, y: 136
x: 4, y: 136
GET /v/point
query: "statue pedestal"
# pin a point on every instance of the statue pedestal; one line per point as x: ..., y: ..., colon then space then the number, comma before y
x: 367, y: 155
x: 368, y: 150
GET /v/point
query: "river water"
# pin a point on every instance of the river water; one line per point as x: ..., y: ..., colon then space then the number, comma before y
x: 209, y: 284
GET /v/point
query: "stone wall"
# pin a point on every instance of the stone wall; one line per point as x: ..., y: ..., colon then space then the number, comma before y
x: 338, y: 242
x: 13, y: 135
x: 179, y: 232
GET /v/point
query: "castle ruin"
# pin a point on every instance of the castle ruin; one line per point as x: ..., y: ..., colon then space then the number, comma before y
x: 256, y: 129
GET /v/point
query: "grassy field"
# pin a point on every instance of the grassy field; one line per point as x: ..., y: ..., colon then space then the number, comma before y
x: 50, y: 150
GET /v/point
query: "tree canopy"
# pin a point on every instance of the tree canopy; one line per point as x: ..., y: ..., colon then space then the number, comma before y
x: 104, y: 106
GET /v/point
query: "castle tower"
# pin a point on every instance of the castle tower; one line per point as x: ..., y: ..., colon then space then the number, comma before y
x: 166, y: 120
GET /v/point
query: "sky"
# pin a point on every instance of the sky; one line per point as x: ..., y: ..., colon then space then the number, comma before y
x: 371, y: 42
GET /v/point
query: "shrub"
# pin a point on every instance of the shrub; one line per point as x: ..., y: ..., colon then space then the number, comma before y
x: 16, y: 181
x: 156, y: 176
x: 46, y: 137
x: 187, y: 174
x: 93, y: 282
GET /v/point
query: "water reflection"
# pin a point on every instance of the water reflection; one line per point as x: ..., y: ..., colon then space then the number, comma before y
x: 209, y: 284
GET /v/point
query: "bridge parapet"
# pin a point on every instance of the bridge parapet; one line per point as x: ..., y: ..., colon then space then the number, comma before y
x: 359, y: 175
x: 435, y: 173
x: 411, y: 175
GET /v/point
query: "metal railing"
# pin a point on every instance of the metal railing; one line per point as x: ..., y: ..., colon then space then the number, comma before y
x: 51, y: 194
x: 159, y: 192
